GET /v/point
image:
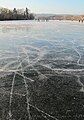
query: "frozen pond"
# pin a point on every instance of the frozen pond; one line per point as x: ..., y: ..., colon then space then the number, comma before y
x: 46, y: 42
x: 32, y: 54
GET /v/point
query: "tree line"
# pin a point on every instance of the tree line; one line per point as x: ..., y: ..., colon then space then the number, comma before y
x: 67, y: 17
x: 16, y: 14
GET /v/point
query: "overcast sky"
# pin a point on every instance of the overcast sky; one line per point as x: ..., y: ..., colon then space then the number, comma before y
x: 47, y: 6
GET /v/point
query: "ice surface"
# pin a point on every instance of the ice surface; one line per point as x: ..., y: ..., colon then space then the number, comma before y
x: 33, y: 51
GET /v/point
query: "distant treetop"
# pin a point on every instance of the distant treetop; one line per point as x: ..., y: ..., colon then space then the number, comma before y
x: 16, y: 14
